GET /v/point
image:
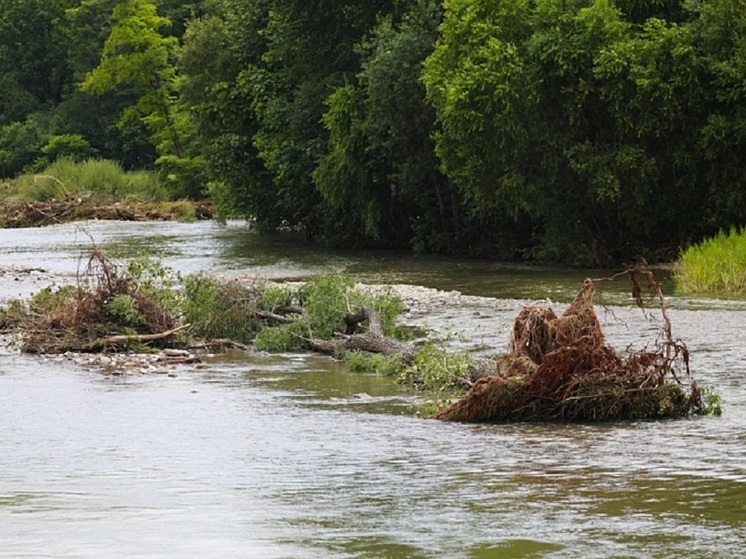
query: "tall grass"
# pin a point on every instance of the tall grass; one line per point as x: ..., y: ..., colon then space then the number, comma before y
x: 714, y: 266
x: 103, y: 180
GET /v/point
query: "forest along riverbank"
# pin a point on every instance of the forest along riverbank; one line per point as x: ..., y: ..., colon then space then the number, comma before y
x: 275, y: 456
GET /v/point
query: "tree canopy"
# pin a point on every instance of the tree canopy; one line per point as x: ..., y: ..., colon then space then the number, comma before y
x: 587, y: 132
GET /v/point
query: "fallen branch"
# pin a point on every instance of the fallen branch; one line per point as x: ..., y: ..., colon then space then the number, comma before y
x: 101, y: 343
x: 372, y: 340
x: 274, y: 317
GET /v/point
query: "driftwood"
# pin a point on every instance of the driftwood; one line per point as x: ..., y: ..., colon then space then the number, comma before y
x: 48, y: 341
x: 85, y: 324
x: 123, y: 339
x: 218, y: 344
x: 372, y: 340
x: 272, y: 317
x: 39, y: 213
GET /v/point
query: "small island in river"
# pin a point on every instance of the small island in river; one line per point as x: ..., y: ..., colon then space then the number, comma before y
x: 558, y: 368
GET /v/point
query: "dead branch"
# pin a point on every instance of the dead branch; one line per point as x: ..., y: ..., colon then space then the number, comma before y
x: 101, y: 343
x: 372, y: 340
x: 218, y: 344
x: 273, y: 317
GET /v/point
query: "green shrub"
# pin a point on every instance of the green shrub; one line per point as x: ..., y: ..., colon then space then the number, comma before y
x: 363, y: 362
x: 277, y: 297
x: 711, y: 402
x: 50, y: 300
x: 437, y: 370
x: 13, y: 315
x: 44, y: 302
x: 286, y: 337
x: 157, y: 282
x: 123, y: 310
x: 328, y: 299
x: 184, y: 177
x: 714, y: 266
x: 183, y: 211
x: 72, y: 146
x: 222, y: 309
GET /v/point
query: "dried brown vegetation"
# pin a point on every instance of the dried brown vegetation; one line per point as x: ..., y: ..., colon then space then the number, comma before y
x: 89, y: 322
x: 561, y: 369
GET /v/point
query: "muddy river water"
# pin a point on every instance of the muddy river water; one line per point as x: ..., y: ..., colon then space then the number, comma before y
x: 291, y: 456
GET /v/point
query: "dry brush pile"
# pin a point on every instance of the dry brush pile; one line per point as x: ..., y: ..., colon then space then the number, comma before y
x: 107, y: 310
x: 560, y: 368
x: 80, y: 208
x: 116, y: 308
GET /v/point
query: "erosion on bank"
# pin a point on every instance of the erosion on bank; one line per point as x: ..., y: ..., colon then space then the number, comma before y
x: 558, y: 368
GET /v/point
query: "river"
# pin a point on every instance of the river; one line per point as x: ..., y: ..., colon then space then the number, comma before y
x: 290, y: 456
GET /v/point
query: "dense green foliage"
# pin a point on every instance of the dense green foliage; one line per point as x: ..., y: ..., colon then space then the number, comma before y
x: 581, y: 131
x: 715, y: 265
x: 254, y: 313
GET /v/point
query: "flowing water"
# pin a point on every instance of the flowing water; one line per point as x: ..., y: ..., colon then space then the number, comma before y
x: 292, y: 457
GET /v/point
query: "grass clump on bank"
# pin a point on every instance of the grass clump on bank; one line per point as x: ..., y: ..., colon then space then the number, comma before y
x: 102, y: 180
x: 714, y: 266
x: 68, y: 190
x: 437, y: 370
x: 385, y: 365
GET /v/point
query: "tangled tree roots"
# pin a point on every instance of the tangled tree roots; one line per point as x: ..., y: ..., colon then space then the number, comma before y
x: 86, y: 322
x: 560, y: 369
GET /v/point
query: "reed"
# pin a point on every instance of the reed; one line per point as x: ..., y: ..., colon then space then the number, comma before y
x: 716, y: 266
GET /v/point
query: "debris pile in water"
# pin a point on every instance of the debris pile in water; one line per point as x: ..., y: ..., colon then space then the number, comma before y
x: 93, y: 319
x: 561, y: 369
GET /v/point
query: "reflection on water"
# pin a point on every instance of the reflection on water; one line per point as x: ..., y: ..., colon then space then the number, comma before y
x: 292, y: 457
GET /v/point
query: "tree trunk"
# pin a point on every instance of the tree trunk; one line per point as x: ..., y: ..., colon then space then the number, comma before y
x: 372, y: 340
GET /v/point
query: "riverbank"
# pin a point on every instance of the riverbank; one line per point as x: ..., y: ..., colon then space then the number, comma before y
x: 72, y: 208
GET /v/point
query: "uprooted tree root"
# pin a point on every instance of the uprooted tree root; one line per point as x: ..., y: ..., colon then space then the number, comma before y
x: 86, y: 323
x: 560, y: 369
